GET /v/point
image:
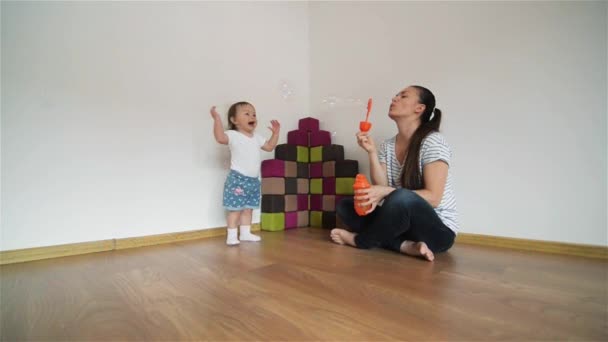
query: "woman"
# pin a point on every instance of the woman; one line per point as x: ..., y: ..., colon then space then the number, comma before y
x: 413, y: 208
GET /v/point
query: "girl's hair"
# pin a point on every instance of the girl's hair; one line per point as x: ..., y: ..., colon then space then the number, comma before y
x: 232, y: 113
x: 411, y: 177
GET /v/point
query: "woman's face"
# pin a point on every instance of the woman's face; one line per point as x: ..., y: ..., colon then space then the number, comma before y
x: 405, y: 104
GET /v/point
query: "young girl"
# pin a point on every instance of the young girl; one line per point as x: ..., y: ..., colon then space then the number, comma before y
x: 242, y: 187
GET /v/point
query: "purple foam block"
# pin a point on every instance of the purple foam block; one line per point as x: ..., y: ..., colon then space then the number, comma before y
x: 316, y: 170
x: 291, y: 220
x: 302, y: 202
x: 308, y: 124
x: 329, y: 186
x: 298, y: 137
x: 273, y: 168
x: 316, y: 202
x: 320, y: 138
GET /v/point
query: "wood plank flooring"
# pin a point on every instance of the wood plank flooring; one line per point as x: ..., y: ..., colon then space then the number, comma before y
x: 297, y: 285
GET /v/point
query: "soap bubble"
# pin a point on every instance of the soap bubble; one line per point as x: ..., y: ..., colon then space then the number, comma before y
x: 285, y: 89
x: 331, y: 100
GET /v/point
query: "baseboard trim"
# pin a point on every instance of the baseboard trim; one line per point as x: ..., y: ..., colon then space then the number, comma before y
x: 48, y: 252
x: 40, y: 253
x: 588, y: 251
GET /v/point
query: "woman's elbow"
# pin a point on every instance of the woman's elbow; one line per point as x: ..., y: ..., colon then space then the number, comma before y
x: 436, y: 200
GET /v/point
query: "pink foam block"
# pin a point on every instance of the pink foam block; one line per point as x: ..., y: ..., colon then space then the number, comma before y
x: 329, y: 186
x: 316, y: 202
x: 291, y: 203
x: 316, y: 170
x: 320, y: 138
x: 291, y: 220
x: 273, y: 168
x: 302, y: 202
x: 298, y: 137
x: 329, y: 202
x: 308, y: 124
x: 303, y: 218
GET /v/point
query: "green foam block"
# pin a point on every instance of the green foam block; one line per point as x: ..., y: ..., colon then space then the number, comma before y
x: 344, y: 186
x: 316, y: 186
x: 303, y: 154
x: 316, y: 154
x: 272, y: 221
x: 316, y: 219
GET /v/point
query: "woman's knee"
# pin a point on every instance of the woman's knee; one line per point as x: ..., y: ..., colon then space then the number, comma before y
x: 402, y: 198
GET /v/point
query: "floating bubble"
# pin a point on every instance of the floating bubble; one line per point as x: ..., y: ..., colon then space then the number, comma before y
x: 285, y: 89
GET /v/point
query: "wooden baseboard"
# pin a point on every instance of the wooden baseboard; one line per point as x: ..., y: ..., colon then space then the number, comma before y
x: 48, y: 252
x: 589, y: 251
x: 39, y: 253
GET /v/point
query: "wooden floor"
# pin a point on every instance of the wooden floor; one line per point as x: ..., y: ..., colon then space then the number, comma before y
x: 296, y: 285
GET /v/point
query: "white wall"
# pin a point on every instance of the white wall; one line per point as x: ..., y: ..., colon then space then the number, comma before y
x: 105, y: 131
x: 105, y: 125
x: 523, y: 89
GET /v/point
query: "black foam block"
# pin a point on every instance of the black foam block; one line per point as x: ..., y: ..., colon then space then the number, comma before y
x: 291, y: 185
x: 286, y: 152
x: 329, y: 220
x: 333, y: 152
x: 303, y: 171
x: 347, y: 168
x: 273, y: 203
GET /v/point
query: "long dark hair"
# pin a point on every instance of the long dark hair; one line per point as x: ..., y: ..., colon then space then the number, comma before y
x: 232, y: 113
x: 411, y: 177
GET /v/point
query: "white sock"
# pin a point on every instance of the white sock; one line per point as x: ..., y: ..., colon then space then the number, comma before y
x: 247, y: 236
x: 231, y: 237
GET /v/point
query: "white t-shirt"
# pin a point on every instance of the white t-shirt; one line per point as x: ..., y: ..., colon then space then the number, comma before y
x: 434, y: 147
x: 245, y: 152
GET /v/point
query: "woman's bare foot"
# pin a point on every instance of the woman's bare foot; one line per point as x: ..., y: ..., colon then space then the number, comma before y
x: 343, y: 237
x: 417, y: 249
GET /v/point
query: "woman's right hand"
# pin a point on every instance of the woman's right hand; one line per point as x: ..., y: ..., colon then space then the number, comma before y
x: 366, y: 142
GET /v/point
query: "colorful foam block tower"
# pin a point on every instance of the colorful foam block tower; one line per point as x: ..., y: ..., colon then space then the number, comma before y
x: 306, y: 180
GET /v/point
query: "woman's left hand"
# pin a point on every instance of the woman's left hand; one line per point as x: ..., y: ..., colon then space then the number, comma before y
x: 372, y: 196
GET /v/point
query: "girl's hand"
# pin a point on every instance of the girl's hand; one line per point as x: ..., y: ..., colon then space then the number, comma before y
x: 276, y: 126
x: 372, y: 196
x: 366, y: 142
x: 214, y: 113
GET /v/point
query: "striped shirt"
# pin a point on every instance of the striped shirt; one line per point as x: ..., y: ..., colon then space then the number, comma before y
x: 434, y: 148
